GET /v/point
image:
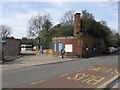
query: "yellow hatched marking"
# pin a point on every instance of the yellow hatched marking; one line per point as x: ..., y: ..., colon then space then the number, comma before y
x: 38, y: 82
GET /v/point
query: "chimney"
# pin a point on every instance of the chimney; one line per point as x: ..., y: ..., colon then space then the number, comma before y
x: 77, y: 24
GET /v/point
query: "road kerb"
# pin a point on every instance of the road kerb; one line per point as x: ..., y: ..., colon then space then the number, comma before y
x: 104, y: 85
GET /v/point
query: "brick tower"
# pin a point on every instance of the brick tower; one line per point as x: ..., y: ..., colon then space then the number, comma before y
x: 77, y: 24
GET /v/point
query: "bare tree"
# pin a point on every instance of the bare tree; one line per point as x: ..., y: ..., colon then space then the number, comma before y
x: 37, y: 25
x: 113, y: 1
x: 5, y: 31
x: 68, y: 18
x: 47, y: 22
x: 112, y: 4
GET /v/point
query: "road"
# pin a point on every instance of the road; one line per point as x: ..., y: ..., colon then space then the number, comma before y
x: 25, y: 76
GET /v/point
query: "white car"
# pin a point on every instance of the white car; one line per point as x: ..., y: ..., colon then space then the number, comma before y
x: 110, y: 50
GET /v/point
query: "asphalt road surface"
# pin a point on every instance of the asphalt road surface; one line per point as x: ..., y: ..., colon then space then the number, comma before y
x: 25, y: 76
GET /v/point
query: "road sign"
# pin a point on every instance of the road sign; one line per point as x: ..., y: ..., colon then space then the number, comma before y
x: 68, y: 48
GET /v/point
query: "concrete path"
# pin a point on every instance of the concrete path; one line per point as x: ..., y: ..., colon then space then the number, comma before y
x: 32, y: 58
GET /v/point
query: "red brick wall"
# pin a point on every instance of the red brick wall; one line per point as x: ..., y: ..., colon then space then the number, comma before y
x: 95, y: 46
x: 77, y: 24
x: 76, y: 43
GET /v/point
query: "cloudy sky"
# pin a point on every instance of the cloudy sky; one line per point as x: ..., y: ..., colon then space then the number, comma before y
x: 17, y: 14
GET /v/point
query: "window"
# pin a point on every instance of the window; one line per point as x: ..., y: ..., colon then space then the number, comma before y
x: 59, y: 46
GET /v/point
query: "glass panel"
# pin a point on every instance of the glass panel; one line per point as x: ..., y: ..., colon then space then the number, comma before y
x: 59, y: 46
x: 54, y: 46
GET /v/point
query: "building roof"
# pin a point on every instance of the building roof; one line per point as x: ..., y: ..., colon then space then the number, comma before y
x: 57, y: 38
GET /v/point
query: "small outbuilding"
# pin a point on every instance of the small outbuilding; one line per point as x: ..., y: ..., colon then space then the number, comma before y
x: 11, y: 48
x: 78, y: 45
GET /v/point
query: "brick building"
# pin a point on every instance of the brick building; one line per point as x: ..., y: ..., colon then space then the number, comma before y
x: 78, y: 45
x: 11, y: 48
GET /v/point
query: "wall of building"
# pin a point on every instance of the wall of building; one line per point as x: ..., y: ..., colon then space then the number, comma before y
x: 76, y: 45
x: 85, y: 46
x: 92, y: 46
x: 12, y: 48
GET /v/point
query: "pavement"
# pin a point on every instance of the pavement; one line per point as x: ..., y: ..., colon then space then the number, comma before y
x: 32, y: 58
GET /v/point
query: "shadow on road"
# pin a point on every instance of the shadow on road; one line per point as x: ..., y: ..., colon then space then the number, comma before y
x: 20, y: 60
x: 109, y: 54
x: 115, y: 53
x: 28, y: 54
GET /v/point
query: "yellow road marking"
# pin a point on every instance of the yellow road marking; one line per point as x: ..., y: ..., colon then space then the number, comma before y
x: 92, y: 80
x: 104, y: 85
x: 46, y: 80
x: 38, y: 82
x: 63, y: 75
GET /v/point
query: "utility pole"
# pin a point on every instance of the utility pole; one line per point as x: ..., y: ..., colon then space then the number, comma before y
x: 0, y: 63
x: 0, y: 49
x: 1, y: 52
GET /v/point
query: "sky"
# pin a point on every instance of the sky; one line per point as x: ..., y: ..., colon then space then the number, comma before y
x: 16, y: 14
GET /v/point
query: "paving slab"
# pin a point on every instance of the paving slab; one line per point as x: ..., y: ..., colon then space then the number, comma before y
x: 32, y: 58
x: 94, y: 77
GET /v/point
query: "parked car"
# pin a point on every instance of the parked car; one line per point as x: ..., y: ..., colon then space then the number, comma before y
x: 35, y: 48
x: 118, y: 48
x: 110, y: 50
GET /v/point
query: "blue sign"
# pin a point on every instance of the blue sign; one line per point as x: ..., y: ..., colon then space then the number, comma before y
x: 59, y: 46
x: 41, y: 49
x: 54, y: 46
